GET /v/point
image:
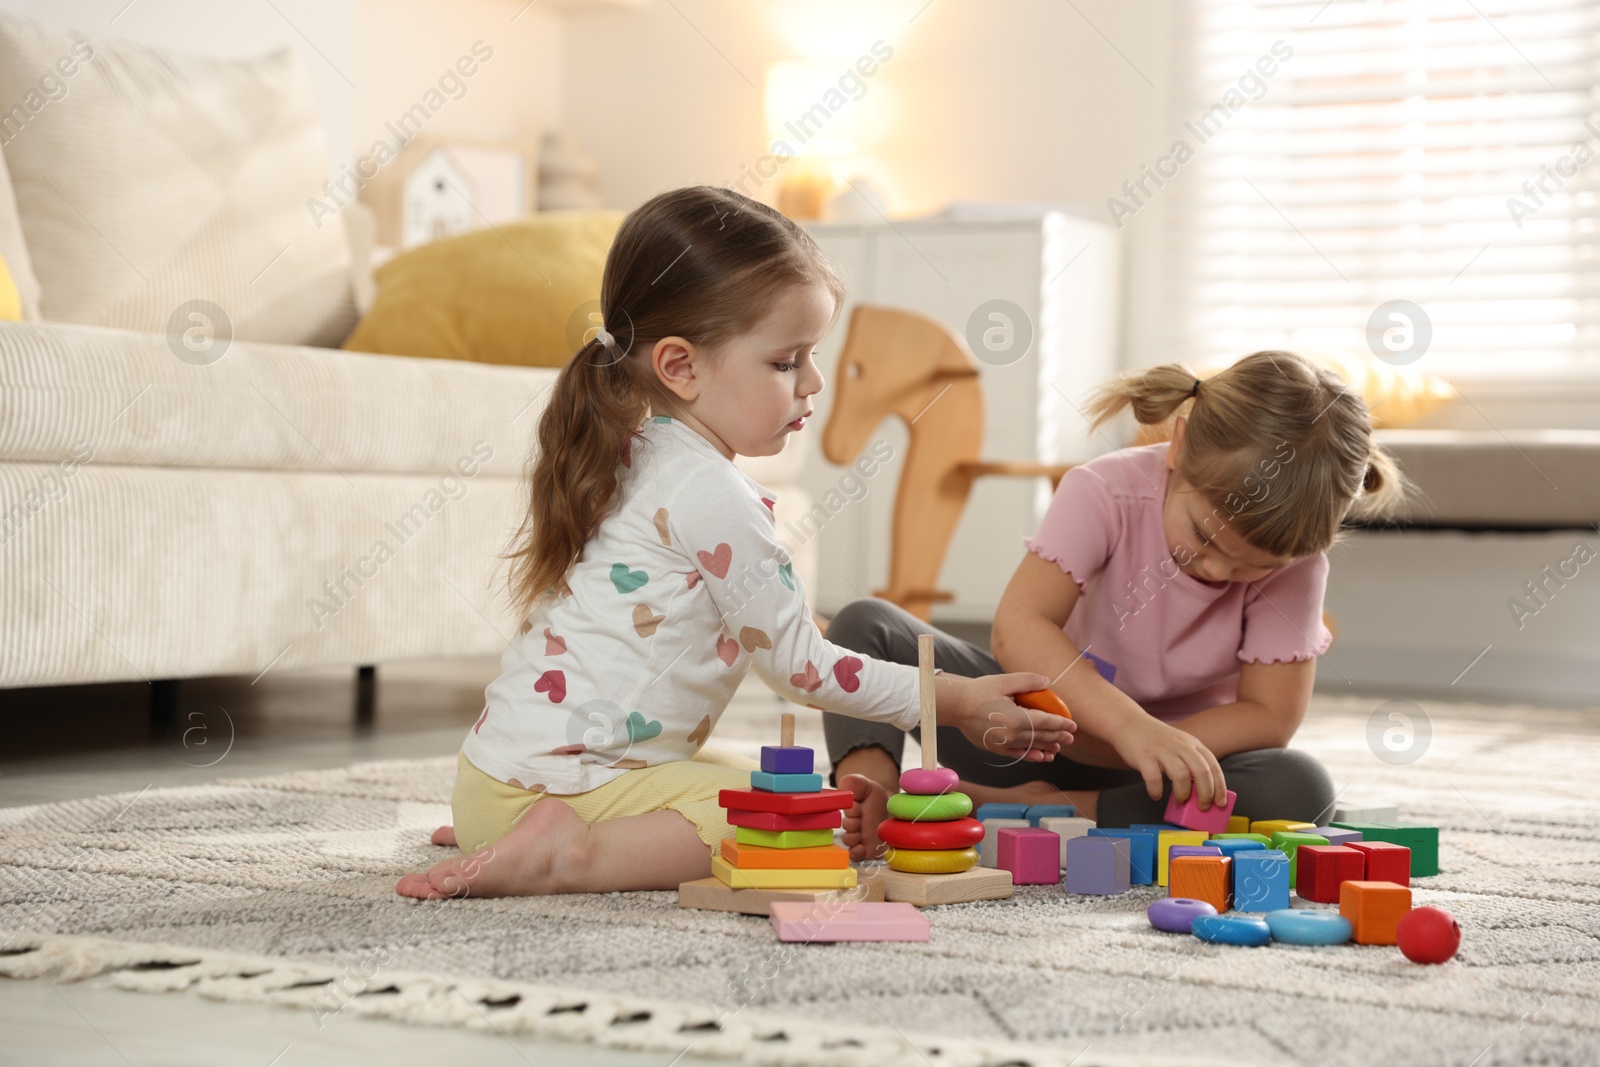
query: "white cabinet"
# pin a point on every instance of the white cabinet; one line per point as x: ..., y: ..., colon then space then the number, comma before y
x: 1063, y: 273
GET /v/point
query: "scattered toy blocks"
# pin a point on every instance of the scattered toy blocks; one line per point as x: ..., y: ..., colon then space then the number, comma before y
x: 1238, y: 824
x: 1335, y: 835
x: 1268, y: 827
x: 1260, y: 880
x: 1262, y: 839
x: 1002, y: 811
x: 1322, y: 869
x: 1200, y: 878
x: 1033, y: 856
x: 1066, y: 829
x: 1423, y: 841
x: 1385, y: 861
x: 1288, y: 842
x: 1036, y: 812
x: 1098, y: 865
x: 988, y: 851
x: 1375, y: 813
x: 1166, y: 839
x: 1231, y: 847
x: 850, y: 922
x: 929, y: 890
x: 1214, y: 820
x: 1374, y: 910
x: 1141, y: 853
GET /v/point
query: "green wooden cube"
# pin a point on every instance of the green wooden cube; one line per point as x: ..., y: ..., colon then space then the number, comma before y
x: 1288, y: 842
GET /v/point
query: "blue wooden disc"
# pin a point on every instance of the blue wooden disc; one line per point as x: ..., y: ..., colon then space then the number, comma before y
x: 1231, y: 930
x: 1308, y: 926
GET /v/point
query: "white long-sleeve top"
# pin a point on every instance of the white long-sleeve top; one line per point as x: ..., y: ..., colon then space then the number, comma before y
x: 682, y: 589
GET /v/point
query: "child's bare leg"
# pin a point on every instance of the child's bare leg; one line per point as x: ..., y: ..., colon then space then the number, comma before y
x: 872, y: 776
x: 552, y: 850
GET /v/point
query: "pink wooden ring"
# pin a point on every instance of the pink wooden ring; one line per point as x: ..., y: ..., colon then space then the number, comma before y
x: 929, y: 783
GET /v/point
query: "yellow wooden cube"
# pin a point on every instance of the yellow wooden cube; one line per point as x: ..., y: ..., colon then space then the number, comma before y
x: 1166, y: 839
x: 1238, y: 824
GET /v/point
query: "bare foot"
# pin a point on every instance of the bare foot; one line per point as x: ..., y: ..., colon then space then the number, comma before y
x: 444, y: 835
x: 871, y: 807
x: 535, y: 857
x: 1085, y: 800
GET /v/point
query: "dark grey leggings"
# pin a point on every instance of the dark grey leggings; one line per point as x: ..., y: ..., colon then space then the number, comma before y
x: 1271, y: 783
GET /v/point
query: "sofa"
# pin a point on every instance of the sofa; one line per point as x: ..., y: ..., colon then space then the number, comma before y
x: 193, y: 480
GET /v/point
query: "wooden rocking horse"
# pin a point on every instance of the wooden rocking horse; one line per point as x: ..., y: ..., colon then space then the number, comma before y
x: 897, y: 362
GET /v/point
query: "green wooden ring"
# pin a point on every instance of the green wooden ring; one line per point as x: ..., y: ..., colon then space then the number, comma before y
x: 941, y: 808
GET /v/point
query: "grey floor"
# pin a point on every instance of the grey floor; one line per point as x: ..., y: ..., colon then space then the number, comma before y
x: 66, y: 743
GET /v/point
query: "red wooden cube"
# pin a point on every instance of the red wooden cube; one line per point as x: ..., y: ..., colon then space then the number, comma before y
x: 1386, y: 861
x: 1323, y: 868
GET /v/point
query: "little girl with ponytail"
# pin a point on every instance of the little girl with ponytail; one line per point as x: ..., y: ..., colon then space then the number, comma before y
x: 1173, y: 594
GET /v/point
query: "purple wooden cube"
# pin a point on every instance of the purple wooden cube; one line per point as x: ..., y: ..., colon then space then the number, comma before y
x: 1098, y: 865
x: 794, y: 760
x: 1033, y: 856
x: 1335, y: 835
x: 1191, y: 850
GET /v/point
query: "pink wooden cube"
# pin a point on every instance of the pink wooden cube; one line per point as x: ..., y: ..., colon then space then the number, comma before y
x: 1032, y: 856
x: 1189, y: 816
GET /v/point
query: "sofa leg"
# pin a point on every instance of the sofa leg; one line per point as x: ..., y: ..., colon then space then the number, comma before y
x: 163, y: 709
x: 366, y: 694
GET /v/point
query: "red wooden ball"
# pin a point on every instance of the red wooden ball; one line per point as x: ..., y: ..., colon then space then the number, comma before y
x: 1428, y: 935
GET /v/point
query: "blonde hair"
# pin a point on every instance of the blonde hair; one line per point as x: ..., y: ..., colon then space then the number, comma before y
x: 703, y: 263
x: 1277, y: 412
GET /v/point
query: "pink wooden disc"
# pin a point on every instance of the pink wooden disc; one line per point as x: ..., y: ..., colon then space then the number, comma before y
x: 929, y: 783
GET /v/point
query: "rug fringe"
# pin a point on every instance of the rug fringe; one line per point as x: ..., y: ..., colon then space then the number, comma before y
x: 508, y: 1006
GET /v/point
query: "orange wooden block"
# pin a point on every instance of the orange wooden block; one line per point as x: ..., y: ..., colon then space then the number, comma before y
x: 1043, y: 700
x: 1374, y: 910
x: 1200, y: 878
x: 759, y: 857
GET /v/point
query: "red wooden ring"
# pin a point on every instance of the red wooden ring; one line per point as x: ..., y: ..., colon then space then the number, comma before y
x: 957, y: 833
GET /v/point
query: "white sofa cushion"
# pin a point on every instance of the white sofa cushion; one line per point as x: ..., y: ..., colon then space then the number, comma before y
x: 276, y: 407
x: 156, y: 178
x: 12, y: 246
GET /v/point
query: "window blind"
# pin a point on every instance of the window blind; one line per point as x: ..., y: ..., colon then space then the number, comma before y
x: 1445, y: 153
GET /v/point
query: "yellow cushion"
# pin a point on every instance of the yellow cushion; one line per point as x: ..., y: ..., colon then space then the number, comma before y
x: 10, y: 299
x: 500, y: 295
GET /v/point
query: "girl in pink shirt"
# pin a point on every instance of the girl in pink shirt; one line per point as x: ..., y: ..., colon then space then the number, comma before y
x: 1173, y: 594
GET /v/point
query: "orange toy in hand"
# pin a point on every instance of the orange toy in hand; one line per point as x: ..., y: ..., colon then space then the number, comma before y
x: 1044, y: 700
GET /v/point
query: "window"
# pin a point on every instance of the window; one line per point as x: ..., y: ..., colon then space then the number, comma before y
x: 1334, y: 157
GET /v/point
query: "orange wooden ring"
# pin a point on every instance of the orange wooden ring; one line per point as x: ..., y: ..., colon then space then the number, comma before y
x: 1044, y: 700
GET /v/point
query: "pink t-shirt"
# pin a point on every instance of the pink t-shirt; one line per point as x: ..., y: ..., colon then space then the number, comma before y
x: 1170, y: 641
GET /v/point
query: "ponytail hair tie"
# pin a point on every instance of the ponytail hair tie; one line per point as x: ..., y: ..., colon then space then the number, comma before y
x: 603, y: 337
x: 1196, y: 390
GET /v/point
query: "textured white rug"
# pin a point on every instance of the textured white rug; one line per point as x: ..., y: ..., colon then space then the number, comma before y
x: 280, y: 890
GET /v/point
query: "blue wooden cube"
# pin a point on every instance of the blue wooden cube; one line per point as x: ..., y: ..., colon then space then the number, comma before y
x: 1001, y: 811
x: 1231, y: 846
x: 1260, y: 880
x: 1098, y: 865
x: 1141, y: 853
x: 1155, y: 827
x: 785, y: 783
x: 793, y: 760
x: 1036, y: 812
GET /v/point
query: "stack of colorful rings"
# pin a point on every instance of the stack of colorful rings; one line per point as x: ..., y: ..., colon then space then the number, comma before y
x: 930, y: 829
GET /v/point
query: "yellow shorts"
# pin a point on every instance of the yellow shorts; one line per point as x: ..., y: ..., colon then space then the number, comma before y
x: 485, y: 809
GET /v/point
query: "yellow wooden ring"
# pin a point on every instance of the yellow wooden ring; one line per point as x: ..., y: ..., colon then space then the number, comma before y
x: 932, y: 861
